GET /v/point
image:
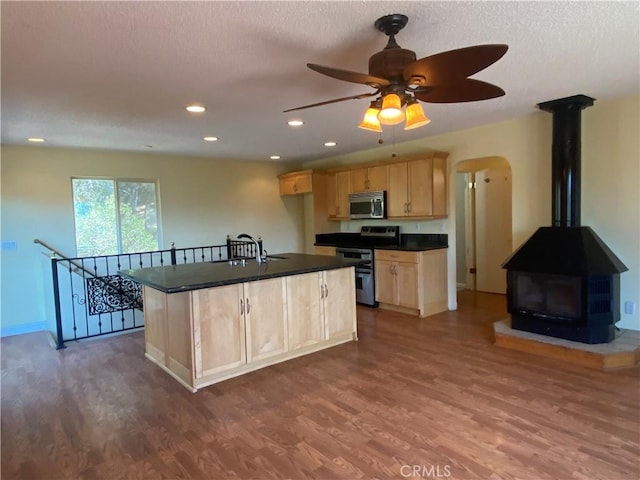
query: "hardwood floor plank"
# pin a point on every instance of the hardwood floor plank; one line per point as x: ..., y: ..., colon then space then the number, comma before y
x: 412, y: 393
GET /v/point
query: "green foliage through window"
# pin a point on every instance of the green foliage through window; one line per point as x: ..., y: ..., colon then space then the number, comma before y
x: 114, y: 216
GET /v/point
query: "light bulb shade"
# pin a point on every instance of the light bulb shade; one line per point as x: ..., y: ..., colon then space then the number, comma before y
x: 391, y: 113
x: 370, y: 120
x: 415, y: 116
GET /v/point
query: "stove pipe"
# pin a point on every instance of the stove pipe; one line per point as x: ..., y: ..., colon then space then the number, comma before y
x: 565, y: 158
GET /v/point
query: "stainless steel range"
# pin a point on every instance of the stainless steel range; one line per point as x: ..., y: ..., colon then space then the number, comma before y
x: 361, y: 247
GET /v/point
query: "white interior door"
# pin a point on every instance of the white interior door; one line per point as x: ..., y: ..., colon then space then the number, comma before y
x: 492, y: 228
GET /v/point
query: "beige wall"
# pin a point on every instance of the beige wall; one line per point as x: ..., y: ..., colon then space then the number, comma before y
x: 610, y: 179
x: 202, y: 200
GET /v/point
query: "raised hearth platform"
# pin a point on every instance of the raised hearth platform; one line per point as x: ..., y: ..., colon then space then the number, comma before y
x: 622, y: 352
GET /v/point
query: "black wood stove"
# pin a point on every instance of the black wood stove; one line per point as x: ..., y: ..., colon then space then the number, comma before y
x: 564, y: 281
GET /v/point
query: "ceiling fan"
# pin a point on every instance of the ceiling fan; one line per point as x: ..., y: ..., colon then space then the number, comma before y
x: 400, y: 80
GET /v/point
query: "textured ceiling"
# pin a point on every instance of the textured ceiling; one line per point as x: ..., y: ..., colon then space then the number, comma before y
x: 117, y: 75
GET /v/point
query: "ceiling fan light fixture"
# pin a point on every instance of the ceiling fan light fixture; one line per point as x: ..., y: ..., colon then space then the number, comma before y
x: 370, y: 120
x: 415, y: 116
x: 391, y: 112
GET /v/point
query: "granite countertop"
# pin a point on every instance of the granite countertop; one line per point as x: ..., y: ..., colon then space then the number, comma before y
x: 408, y: 242
x: 194, y: 276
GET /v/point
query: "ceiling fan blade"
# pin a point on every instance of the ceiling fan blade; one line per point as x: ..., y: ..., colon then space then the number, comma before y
x: 453, y: 65
x: 467, y: 90
x: 348, y: 76
x: 335, y: 100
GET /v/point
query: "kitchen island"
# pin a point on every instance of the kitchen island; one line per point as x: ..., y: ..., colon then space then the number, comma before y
x: 207, y: 322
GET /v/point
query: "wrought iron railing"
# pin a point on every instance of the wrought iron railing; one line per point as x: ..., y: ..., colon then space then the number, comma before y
x: 91, y: 299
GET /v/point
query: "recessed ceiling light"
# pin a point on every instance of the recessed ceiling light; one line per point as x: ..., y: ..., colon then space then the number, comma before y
x: 330, y: 144
x: 275, y: 157
x: 35, y: 139
x: 196, y: 108
x: 295, y: 123
x: 210, y: 139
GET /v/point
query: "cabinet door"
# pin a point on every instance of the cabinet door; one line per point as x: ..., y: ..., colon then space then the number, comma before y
x: 397, y: 191
x: 287, y: 186
x: 420, y: 187
x: 407, y: 284
x: 385, y: 281
x: 358, y: 180
x: 332, y: 195
x: 321, y: 250
x: 440, y: 186
x: 342, y: 191
x: 377, y: 178
x: 218, y: 329
x: 266, y: 318
x: 339, y: 303
x: 305, y: 323
x: 304, y: 183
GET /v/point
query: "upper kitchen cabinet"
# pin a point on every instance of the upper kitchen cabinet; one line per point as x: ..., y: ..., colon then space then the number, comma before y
x: 417, y: 188
x: 295, y: 183
x: 368, y: 179
x: 338, y: 194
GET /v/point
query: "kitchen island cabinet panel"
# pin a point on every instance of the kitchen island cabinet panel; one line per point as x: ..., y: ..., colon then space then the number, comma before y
x: 339, y: 303
x: 155, y: 324
x: 266, y: 318
x: 207, y: 322
x: 179, y: 353
x: 218, y: 329
x: 304, y: 311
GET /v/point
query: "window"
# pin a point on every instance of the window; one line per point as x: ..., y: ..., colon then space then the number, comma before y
x: 115, y: 216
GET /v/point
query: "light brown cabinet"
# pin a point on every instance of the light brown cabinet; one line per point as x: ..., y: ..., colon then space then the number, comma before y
x: 417, y: 188
x: 338, y: 195
x: 296, y: 183
x: 265, y: 318
x: 339, y: 303
x: 368, y: 179
x: 324, y: 250
x: 412, y: 282
x: 327, y: 303
x: 218, y: 329
x: 203, y: 336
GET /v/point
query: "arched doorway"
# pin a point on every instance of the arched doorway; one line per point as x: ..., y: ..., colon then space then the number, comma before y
x: 483, y: 223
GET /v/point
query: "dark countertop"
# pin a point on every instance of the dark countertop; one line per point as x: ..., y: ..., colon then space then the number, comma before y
x: 408, y: 242
x: 194, y: 276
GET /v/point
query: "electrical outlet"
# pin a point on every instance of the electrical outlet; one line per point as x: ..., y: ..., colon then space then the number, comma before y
x: 629, y: 308
x: 417, y: 227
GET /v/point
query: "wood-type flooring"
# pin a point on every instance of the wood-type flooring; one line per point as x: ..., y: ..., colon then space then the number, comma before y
x: 413, y: 398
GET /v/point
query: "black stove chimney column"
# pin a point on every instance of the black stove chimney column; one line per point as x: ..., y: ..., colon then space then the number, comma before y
x: 565, y: 158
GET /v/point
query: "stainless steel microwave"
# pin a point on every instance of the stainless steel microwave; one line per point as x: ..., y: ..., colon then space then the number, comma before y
x: 368, y: 205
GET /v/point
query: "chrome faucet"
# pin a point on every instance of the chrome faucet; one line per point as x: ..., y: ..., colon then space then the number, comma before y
x: 259, y: 257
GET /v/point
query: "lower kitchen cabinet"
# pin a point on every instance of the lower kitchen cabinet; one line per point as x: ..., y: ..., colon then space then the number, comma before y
x: 327, y: 303
x: 265, y: 311
x: 306, y: 326
x: 218, y: 329
x: 339, y: 303
x: 412, y: 282
x: 203, y: 336
x: 324, y: 250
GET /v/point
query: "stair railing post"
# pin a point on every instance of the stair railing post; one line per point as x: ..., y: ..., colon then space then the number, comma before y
x: 56, y: 299
x: 173, y: 253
